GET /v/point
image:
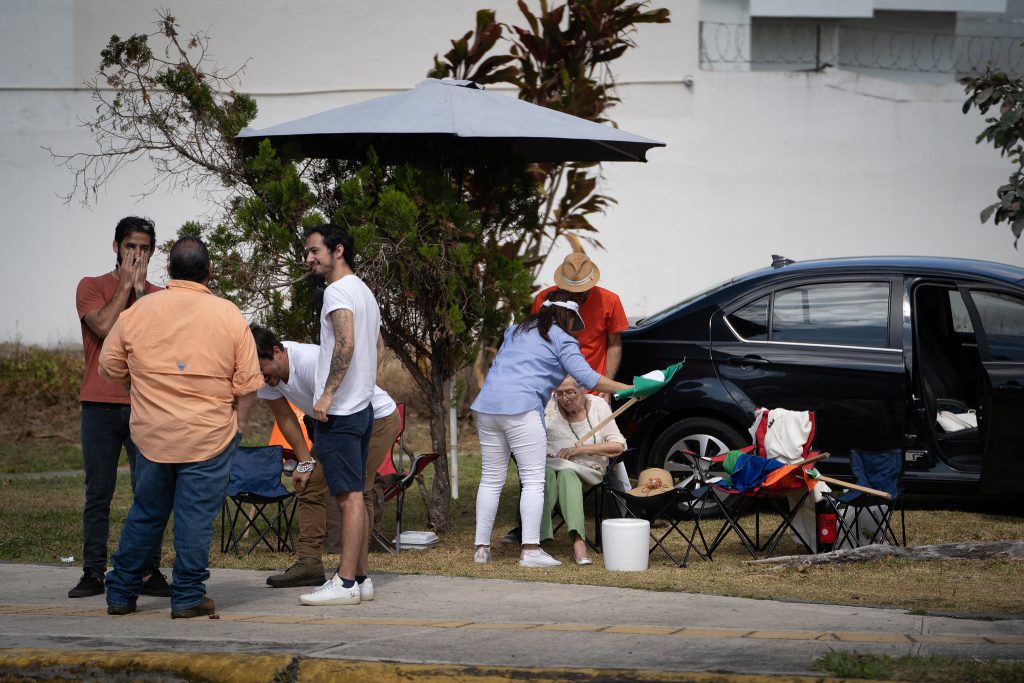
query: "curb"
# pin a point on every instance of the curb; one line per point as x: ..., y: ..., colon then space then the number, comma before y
x: 234, y: 668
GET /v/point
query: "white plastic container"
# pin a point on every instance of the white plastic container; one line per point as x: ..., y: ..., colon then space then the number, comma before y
x: 625, y: 544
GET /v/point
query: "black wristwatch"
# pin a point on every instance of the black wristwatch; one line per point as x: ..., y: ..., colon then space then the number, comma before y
x: 305, y: 466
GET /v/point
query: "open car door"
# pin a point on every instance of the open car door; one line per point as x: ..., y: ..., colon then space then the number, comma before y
x: 999, y: 321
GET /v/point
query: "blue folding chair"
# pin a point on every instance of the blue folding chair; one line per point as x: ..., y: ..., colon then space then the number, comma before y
x: 864, y: 518
x: 255, y: 481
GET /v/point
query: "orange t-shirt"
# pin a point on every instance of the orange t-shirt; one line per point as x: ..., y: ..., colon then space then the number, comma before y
x: 93, y: 294
x: 188, y: 354
x: 602, y: 314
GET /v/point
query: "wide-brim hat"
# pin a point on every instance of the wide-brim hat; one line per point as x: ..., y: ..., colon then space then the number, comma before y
x: 577, y: 273
x: 653, y: 482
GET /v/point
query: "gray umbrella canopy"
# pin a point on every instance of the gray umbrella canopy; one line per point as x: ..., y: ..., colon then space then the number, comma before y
x: 454, y: 121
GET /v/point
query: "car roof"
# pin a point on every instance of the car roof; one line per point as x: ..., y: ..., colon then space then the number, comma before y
x: 932, y: 265
x: 785, y: 268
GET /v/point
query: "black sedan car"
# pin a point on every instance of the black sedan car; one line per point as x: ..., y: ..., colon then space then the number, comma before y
x: 876, y: 347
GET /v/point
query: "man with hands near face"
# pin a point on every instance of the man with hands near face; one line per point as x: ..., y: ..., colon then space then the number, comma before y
x: 106, y: 408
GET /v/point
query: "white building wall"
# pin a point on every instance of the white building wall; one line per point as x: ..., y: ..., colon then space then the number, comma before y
x: 806, y: 165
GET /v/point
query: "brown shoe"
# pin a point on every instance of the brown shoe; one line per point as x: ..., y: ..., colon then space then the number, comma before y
x: 118, y: 610
x: 306, y: 571
x: 205, y: 608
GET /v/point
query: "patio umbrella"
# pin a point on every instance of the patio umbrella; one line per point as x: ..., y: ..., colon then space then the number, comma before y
x: 449, y: 120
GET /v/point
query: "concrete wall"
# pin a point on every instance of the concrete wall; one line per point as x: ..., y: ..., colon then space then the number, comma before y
x: 805, y: 165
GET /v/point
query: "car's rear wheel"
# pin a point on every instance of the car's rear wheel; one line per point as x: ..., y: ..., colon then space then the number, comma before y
x: 702, y: 436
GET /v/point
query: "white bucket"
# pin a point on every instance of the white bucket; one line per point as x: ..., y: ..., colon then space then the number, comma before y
x: 624, y: 544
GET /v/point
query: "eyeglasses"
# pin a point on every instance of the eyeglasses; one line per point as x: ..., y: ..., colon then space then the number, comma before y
x: 568, y: 393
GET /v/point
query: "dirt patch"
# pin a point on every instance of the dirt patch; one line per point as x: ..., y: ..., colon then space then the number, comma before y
x: 39, y: 392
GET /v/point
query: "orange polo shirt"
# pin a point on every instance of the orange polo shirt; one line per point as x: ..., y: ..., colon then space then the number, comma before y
x: 187, y: 354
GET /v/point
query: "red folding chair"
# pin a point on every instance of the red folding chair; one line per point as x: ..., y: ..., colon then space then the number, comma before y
x: 396, y: 491
x: 388, y: 466
x: 774, y: 472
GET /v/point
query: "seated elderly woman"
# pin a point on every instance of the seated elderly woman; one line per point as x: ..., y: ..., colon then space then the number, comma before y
x: 571, y: 414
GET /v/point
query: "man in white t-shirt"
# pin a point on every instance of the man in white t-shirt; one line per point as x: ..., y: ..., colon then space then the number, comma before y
x: 346, y: 374
x: 289, y: 375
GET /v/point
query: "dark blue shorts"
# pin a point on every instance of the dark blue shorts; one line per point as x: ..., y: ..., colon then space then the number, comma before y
x: 342, y: 443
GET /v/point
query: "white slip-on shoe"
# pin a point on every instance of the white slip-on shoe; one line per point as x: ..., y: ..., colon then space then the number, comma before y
x: 537, y: 558
x: 366, y: 589
x: 482, y: 555
x: 332, y: 593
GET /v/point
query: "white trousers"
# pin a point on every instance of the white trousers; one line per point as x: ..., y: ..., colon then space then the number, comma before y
x: 500, y: 436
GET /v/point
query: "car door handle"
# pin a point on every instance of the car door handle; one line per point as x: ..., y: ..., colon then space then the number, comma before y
x: 748, y: 360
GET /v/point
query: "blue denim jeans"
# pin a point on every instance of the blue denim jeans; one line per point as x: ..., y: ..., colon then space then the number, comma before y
x: 194, y: 492
x: 104, y: 432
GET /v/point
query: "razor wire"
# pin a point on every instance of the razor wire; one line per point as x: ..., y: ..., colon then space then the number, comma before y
x: 814, y: 46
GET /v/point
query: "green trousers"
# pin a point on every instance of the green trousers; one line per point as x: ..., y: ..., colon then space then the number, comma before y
x: 565, y: 488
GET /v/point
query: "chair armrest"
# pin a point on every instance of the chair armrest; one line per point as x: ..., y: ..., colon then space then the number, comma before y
x: 419, y: 464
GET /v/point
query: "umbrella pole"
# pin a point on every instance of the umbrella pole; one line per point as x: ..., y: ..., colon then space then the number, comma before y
x: 855, y: 487
x: 602, y: 423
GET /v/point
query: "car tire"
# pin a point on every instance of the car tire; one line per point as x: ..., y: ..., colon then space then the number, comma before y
x: 703, y: 436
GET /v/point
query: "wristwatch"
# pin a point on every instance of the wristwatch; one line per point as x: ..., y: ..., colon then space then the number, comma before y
x: 305, y: 466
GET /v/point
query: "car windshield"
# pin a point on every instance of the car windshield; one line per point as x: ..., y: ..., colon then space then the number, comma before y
x: 660, y: 315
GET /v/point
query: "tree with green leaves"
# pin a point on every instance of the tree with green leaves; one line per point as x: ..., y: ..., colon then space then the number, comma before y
x: 447, y: 251
x: 426, y: 240
x: 1003, y: 96
x: 562, y: 59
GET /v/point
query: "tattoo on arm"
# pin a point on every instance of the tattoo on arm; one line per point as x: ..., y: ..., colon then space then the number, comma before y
x: 344, y: 345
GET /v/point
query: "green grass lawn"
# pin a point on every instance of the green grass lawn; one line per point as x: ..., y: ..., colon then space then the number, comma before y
x: 52, y: 530
x: 915, y: 668
x: 41, y: 456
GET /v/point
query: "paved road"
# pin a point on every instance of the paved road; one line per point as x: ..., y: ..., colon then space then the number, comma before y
x: 483, y: 622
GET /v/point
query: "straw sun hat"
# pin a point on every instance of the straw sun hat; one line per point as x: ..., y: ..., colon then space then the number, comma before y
x: 653, y: 482
x: 577, y: 273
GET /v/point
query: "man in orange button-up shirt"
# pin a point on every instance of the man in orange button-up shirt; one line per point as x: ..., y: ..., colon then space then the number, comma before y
x: 191, y: 363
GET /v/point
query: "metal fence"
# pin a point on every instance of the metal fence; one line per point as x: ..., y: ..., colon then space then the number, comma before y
x: 814, y: 46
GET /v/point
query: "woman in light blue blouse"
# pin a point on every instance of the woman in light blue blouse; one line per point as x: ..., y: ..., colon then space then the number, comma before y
x: 534, y: 358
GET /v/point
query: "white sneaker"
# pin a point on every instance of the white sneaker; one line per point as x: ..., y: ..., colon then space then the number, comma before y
x: 332, y: 593
x: 482, y: 555
x: 366, y: 589
x: 537, y: 558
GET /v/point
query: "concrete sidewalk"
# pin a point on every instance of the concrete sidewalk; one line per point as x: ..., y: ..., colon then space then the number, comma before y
x: 489, y: 623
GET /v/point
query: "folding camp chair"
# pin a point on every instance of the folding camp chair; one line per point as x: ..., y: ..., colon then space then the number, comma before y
x: 396, y: 455
x: 863, y: 518
x: 598, y: 493
x: 397, y: 491
x: 685, y: 502
x: 277, y: 439
x: 771, y: 473
x: 255, y: 494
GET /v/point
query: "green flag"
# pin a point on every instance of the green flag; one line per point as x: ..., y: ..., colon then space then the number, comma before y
x: 645, y: 385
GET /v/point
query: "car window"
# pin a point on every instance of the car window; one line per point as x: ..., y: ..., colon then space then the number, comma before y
x: 664, y: 313
x: 751, y: 321
x: 842, y: 313
x: 1002, y: 318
